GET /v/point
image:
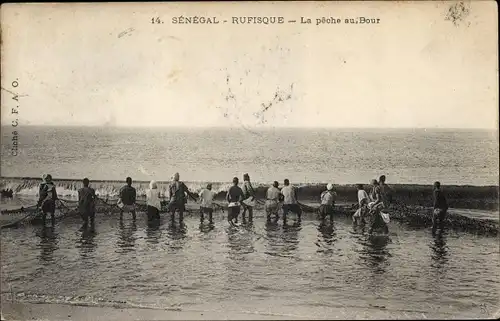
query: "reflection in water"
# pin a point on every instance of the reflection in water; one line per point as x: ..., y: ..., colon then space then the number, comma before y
x: 359, y: 228
x: 375, y: 254
x: 272, y: 236
x: 87, y: 244
x: 126, y: 238
x: 48, y: 243
x: 326, y: 238
x: 153, y: 232
x: 439, y: 250
x: 176, y: 231
x: 291, y: 238
x: 205, y: 228
x: 240, y: 240
x: 282, y: 242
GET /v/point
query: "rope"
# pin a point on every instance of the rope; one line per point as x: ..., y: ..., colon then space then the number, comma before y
x: 19, y: 221
x: 219, y: 206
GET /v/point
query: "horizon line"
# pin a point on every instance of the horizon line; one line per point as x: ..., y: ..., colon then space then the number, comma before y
x: 242, y: 127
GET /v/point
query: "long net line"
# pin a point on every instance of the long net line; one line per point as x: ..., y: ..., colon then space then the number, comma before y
x: 67, y: 208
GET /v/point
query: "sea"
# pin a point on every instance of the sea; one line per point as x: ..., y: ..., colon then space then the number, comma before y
x: 299, y: 269
x: 339, y: 156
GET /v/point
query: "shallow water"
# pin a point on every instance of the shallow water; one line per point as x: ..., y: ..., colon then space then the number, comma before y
x: 304, y: 270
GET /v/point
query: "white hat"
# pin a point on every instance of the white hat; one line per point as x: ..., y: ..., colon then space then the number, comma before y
x: 152, y: 185
x: 329, y: 186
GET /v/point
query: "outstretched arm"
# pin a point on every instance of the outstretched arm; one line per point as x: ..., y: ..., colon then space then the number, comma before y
x: 188, y: 192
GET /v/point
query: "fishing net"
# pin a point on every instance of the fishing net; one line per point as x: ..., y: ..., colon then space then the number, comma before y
x: 413, y: 215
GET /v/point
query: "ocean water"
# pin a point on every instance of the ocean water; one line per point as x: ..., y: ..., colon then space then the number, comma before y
x: 305, y: 269
x: 342, y: 156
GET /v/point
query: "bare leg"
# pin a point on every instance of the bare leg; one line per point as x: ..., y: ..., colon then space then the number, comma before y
x: 244, y: 213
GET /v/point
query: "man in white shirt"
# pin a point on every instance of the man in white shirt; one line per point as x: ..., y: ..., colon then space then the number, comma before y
x: 207, y: 198
x: 290, y: 203
x: 327, y: 203
x: 272, y: 201
x: 363, y: 200
x: 153, y: 201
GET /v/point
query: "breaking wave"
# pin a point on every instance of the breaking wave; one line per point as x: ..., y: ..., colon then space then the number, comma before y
x: 464, y: 196
x: 69, y: 188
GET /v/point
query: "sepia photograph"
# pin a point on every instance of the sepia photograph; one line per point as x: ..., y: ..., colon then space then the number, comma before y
x: 284, y: 160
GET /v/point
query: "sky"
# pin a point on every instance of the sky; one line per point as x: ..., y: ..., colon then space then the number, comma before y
x: 107, y: 64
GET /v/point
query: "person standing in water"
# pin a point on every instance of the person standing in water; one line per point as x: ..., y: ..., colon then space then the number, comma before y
x: 153, y: 202
x: 178, y: 191
x: 440, y: 208
x: 248, y: 198
x: 363, y: 200
x: 234, y: 197
x: 376, y: 203
x: 47, y: 198
x: 327, y: 203
x: 290, y: 203
x: 128, y: 196
x: 86, y: 203
x: 207, y: 199
x: 272, y: 201
x: 386, y: 192
x: 375, y: 207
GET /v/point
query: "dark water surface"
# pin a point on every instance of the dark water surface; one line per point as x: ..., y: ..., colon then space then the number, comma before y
x: 305, y: 270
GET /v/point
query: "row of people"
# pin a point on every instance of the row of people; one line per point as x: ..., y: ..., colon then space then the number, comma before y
x: 371, y: 204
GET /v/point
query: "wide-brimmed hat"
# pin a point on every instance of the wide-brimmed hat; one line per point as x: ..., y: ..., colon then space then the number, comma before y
x: 329, y: 186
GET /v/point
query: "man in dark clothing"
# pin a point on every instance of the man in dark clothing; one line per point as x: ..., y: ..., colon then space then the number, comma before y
x: 440, y: 208
x: 386, y: 192
x: 234, y: 197
x: 47, y: 198
x: 128, y: 196
x: 86, y: 203
x: 178, y: 191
